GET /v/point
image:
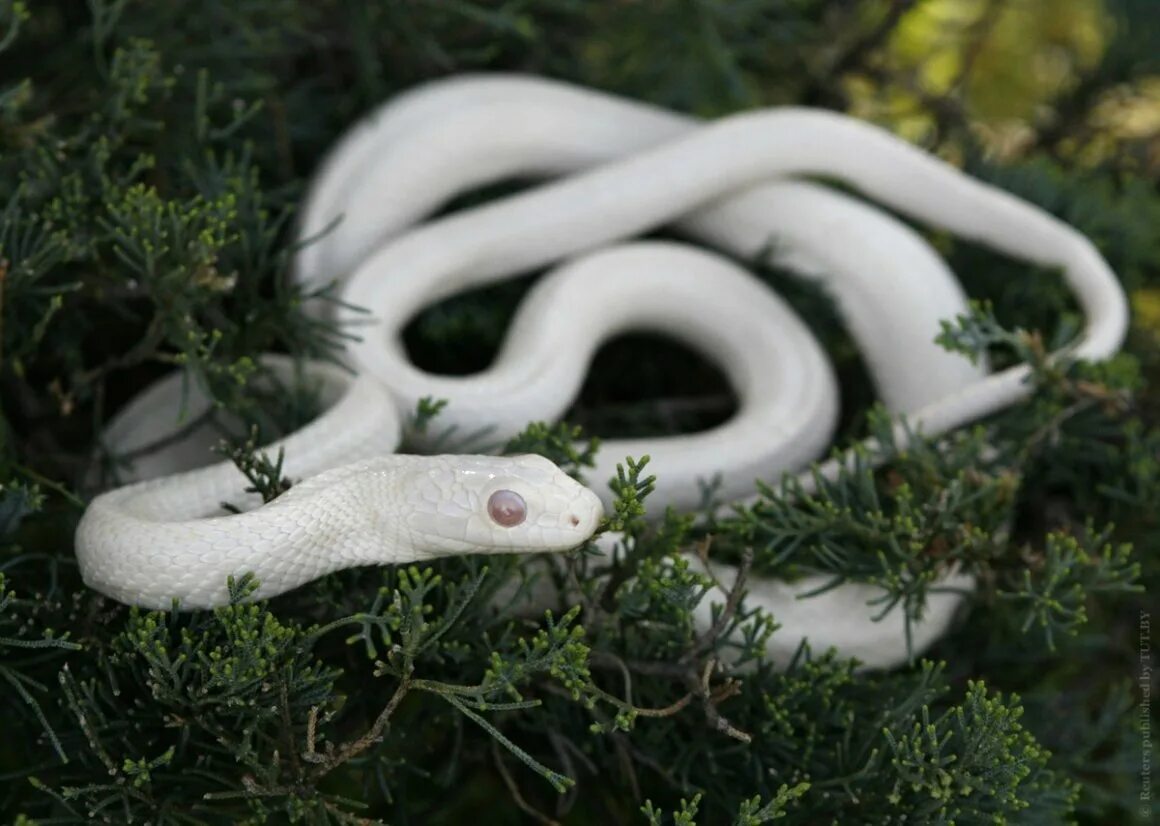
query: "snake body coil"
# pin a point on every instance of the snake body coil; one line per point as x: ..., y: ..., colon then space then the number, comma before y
x: 624, y: 168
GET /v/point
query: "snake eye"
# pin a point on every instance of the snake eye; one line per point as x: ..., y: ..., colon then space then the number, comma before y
x: 507, y: 508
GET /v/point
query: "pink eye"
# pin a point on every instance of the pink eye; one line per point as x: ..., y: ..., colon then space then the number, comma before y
x: 507, y: 508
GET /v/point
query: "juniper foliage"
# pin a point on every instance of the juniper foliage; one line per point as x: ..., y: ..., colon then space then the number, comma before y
x: 151, y: 159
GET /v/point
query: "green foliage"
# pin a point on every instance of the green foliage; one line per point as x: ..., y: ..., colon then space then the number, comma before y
x: 974, y: 760
x: 152, y: 156
x: 264, y: 475
x: 1070, y: 572
x: 19, y: 637
x: 427, y: 410
x: 630, y: 490
x: 559, y: 442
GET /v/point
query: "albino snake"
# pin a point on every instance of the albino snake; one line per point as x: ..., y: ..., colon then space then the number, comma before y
x: 623, y: 168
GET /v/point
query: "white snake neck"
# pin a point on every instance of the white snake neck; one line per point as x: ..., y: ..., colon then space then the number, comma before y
x: 385, y: 510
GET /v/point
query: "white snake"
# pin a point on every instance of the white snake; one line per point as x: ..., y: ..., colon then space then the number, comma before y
x: 624, y: 168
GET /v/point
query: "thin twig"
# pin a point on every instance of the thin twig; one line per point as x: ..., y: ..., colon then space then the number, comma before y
x: 514, y: 790
x: 977, y: 33
x: 373, y: 735
x: 707, y: 640
x: 310, y: 755
x: 287, y: 726
x: 711, y: 699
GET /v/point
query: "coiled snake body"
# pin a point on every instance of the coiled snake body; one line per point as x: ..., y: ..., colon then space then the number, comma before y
x: 623, y: 168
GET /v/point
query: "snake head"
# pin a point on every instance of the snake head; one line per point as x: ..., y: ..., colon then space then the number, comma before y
x: 497, y: 504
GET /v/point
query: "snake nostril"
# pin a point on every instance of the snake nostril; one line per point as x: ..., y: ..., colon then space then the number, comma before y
x: 574, y: 519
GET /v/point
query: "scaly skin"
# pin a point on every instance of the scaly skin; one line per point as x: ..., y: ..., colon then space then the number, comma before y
x: 387, y: 510
x: 627, y: 168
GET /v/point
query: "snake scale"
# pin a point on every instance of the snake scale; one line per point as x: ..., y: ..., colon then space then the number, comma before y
x: 610, y: 169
